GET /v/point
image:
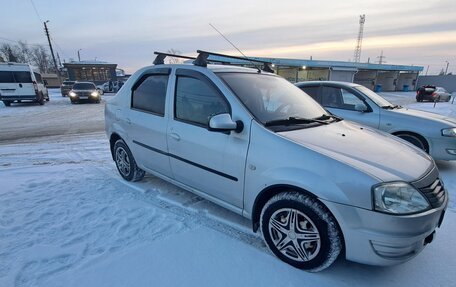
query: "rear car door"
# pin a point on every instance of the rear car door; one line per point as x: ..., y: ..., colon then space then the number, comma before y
x: 209, y: 161
x: 342, y: 101
x: 146, y: 121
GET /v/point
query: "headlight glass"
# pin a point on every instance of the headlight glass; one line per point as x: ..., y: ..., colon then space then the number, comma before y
x: 399, y: 198
x: 94, y: 94
x: 449, y: 132
x: 72, y: 94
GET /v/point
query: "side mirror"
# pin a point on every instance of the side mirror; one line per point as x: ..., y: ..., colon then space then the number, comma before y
x: 224, y: 123
x: 361, y: 108
x: 100, y: 91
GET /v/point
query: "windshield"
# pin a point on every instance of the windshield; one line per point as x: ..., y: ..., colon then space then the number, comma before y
x: 83, y: 86
x: 376, y: 98
x: 271, y: 98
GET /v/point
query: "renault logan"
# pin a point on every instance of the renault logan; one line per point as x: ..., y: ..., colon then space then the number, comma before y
x: 315, y: 185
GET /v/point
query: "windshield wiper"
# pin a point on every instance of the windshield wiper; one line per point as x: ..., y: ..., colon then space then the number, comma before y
x: 294, y: 121
x: 330, y: 116
x: 391, y: 107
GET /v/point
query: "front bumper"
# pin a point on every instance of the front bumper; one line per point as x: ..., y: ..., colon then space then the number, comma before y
x: 85, y: 97
x: 381, y: 239
x: 443, y: 148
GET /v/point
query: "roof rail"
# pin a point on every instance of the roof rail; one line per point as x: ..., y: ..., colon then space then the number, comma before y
x: 203, y: 55
x: 160, y: 59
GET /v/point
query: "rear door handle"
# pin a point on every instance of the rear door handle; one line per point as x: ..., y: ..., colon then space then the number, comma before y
x: 127, y: 120
x: 174, y: 136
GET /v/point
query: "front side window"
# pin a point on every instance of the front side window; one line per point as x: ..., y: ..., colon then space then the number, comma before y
x: 333, y: 97
x: 196, y: 101
x: 150, y: 94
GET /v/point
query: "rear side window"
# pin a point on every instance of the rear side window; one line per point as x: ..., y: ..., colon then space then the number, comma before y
x: 6, y: 77
x: 196, y: 101
x: 22, y: 77
x: 150, y: 94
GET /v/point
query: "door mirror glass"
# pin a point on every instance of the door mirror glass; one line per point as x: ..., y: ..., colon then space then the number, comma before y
x: 360, y: 107
x: 223, y: 122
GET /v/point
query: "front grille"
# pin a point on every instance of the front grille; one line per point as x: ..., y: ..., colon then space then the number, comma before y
x: 435, y: 193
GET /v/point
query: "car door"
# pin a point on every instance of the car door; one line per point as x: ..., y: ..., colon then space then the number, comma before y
x: 212, y: 162
x: 342, y: 102
x: 146, y: 121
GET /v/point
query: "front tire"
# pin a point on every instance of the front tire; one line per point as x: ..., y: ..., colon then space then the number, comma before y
x: 7, y: 103
x: 126, y: 164
x: 301, y: 231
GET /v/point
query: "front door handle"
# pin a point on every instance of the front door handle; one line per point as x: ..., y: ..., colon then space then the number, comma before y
x: 174, y: 136
x: 128, y: 121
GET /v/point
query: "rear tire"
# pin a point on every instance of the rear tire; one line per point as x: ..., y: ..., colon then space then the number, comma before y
x: 125, y: 162
x: 301, y: 231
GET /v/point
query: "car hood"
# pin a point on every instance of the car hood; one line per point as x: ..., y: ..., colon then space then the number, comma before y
x: 376, y: 153
x: 425, y: 115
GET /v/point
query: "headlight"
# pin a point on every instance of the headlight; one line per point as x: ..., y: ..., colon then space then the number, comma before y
x: 449, y: 132
x: 94, y: 94
x: 399, y: 198
x: 72, y: 94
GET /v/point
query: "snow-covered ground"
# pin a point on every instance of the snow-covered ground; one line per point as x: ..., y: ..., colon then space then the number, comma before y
x: 68, y: 219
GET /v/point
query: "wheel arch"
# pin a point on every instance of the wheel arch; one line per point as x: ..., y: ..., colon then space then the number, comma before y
x: 112, y: 140
x: 266, y: 194
x: 417, y: 135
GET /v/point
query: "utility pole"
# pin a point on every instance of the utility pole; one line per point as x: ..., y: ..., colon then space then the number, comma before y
x: 46, y: 30
x: 359, y: 42
x: 427, y: 69
x: 79, y: 55
x: 446, y: 70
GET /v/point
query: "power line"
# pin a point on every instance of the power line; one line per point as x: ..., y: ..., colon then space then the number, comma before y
x: 36, y: 11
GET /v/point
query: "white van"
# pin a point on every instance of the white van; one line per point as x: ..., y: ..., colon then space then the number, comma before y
x: 20, y: 82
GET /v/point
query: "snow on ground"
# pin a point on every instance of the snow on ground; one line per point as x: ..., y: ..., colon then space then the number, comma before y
x: 68, y: 219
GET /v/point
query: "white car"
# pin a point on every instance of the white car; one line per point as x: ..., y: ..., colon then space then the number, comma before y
x: 315, y: 185
x: 20, y: 82
x: 430, y: 132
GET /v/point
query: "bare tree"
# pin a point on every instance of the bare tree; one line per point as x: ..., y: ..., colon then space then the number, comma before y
x: 40, y: 58
x: 174, y: 60
x: 8, y: 53
x: 36, y: 55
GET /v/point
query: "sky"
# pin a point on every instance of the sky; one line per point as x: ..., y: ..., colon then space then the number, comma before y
x: 421, y: 33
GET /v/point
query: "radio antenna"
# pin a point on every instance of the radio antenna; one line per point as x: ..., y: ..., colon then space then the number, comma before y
x: 231, y: 43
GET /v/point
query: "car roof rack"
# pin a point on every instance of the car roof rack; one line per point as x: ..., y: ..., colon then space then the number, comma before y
x: 202, y: 60
x: 160, y: 59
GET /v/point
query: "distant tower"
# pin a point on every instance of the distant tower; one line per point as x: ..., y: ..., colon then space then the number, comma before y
x: 381, y: 58
x: 359, y: 42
